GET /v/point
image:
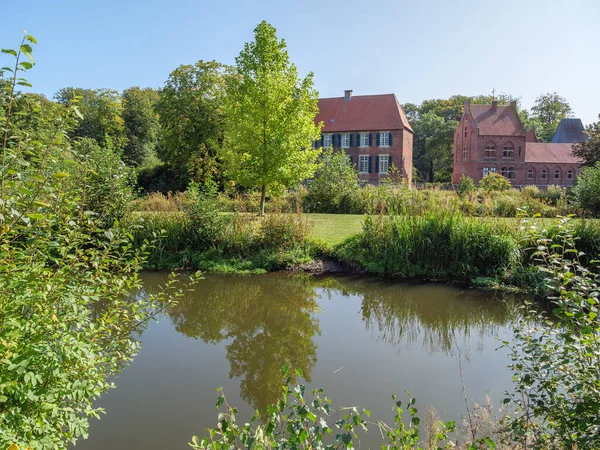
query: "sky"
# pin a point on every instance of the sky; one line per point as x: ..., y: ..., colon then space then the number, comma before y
x: 416, y: 49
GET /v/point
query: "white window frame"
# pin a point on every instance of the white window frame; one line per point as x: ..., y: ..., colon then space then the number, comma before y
x: 570, y: 174
x: 557, y: 172
x: 327, y: 137
x: 387, y: 138
x: 493, y: 169
x: 465, y: 153
x: 486, y: 171
x: 363, y: 159
x: 364, y: 139
x: 530, y: 174
x: 345, y: 140
x: 383, y: 158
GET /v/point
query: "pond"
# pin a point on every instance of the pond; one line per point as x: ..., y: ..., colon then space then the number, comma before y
x: 361, y: 339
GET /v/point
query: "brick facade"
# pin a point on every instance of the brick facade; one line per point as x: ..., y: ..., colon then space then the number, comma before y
x: 379, y: 116
x: 491, y: 138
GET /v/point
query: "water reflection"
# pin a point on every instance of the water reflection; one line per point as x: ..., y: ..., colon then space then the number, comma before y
x: 436, y: 315
x: 268, y: 321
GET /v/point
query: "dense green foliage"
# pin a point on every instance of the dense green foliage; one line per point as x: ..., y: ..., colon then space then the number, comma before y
x: 494, y: 182
x: 67, y: 321
x: 270, y: 114
x: 192, y: 119
x: 589, y: 150
x: 587, y: 189
x: 141, y: 126
x: 334, y: 184
x: 434, y: 245
x: 555, y: 362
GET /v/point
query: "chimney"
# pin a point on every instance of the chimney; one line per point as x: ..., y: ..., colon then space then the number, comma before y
x: 494, y: 105
x: 513, y: 104
x: 530, y: 136
x: 347, y: 94
x: 467, y: 105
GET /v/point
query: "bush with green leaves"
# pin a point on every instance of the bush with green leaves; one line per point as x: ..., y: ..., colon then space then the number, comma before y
x: 494, y: 182
x: 298, y: 422
x: 587, y: 189
x: 466, y: 185
x: 334, y: 184
x: 555, y: 360
x: 67, y: 321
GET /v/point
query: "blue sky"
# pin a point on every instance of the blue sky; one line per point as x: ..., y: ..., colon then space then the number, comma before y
x: 416, y: 49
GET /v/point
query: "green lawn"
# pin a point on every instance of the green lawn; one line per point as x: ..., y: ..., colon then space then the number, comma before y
x: 334, y: 228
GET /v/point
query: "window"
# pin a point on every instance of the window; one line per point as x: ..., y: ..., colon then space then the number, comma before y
x: 466, y: 132
x: 327, y: 140
x: 511, y: 173
x: 530, y: 174
x: 486, y: 171
x: 544, y: 174
x: 384, y: 139
x: 505, y: 172
x: 363, y: 164
x: 465, y: 153
x: 384, y: 163
x: 557, y: 174
x: 364, y: 139
x: 490, y: 152
x: 345, y: 140
x: 519, y: 151
x: 508, y: 152
x: 570, y: 174
x: 493, y: 169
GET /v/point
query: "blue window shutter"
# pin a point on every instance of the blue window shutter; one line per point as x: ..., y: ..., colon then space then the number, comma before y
x: 358, y: 139
x: 322, y: 140
x: 351, y: 138
x: 390, y: 138
x: 377, y: 139
x: 377, y: 164
x: 340, y: 140
x: 370, y: 160
x: 370, y: 139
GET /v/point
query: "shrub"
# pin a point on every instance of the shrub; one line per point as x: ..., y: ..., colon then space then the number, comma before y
x: 556, y: 364
x: 587, y: 189
x: 281, y: 231
x: 335, y: 182
x: 203, y: 214
x: 493, y: 182
x: 466, y: 185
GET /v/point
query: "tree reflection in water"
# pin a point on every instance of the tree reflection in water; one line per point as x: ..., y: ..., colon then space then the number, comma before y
x: 271, y: 320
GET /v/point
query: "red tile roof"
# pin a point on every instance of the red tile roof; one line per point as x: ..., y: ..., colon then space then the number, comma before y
x: 362, y: 113
x: 546, y: 152
x: 503, y: 121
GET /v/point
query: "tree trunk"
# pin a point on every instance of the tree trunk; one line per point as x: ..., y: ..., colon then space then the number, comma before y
x: 262, y: 200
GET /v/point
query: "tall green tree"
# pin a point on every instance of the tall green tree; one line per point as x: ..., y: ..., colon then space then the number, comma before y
x: 141, y: 124
x: 192, y: 119
x: 589, y: 150
x: 102, y: 111
x: 270, y: 116
x: 546, y: 114
x: 436, y: 137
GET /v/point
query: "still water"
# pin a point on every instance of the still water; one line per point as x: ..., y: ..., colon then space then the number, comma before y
x: 361, y: 339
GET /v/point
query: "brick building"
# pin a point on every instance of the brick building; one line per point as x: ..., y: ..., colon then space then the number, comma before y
x: 491, y: 138
x: 372, y: 130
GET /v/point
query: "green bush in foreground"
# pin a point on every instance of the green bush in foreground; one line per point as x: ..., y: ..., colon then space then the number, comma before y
x: 295, y: 422
x: 587, y: 189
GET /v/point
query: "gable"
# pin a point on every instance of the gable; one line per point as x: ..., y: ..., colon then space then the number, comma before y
x: 498, y: 121
x: 362, y: 113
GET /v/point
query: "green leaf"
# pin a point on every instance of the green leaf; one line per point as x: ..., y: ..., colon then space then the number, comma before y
x: 31, y: 39
x: 9, y: 51
x: 26, y: 65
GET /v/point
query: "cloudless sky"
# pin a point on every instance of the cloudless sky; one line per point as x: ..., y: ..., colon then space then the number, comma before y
x: 416, y: 49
